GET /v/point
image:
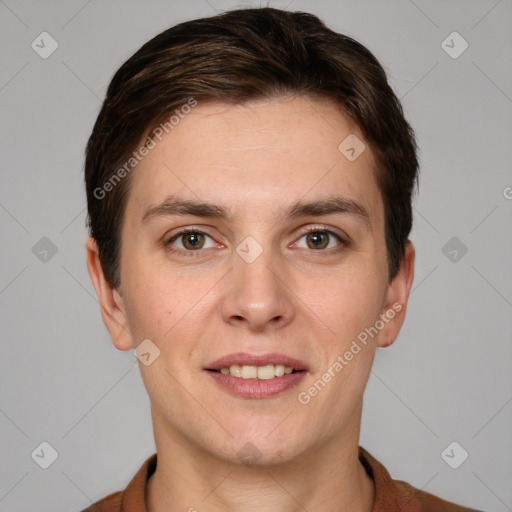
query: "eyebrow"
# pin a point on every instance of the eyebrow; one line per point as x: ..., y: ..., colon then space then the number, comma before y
x: 332, y: 205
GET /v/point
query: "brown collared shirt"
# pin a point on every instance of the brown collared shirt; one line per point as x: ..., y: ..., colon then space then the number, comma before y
x: 390, y: 495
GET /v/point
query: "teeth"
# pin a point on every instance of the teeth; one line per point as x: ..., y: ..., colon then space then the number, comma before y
x: 249, y: 372
x: 266, y: 372
x: 235, y: 370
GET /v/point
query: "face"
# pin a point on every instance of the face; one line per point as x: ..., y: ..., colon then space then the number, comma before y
x: 286, y: 267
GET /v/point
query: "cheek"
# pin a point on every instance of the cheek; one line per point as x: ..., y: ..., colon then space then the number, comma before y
x: 347, y: 302
x: 166, y: 307
x: 151, y: 304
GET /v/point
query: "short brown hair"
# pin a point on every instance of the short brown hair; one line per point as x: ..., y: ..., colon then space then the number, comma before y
x: 234, y: 57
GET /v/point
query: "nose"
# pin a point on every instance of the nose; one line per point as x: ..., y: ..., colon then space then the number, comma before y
x: 257, y: 295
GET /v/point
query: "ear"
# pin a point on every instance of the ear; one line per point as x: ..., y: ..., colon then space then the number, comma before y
x: 111, y: 301
x: 397, y: 297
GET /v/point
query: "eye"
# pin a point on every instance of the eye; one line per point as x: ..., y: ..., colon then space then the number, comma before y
x: 318, y: 239
x: 189, y: 240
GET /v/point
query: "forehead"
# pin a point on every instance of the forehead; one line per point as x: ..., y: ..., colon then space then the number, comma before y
x: 256, y: 157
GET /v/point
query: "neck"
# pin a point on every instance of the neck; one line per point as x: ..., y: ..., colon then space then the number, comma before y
x: 328, y: 478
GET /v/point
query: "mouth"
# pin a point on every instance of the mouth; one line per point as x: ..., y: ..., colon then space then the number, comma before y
x: 266, y: 372
x: 256, y: 366
x: 257, y: 376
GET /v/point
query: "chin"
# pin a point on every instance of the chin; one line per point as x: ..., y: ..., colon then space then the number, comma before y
x: 260, y: 450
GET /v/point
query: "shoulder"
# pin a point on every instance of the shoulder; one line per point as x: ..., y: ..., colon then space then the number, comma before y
x: 132, y: 497
x: 110, y: 503
x: 399, y: 496
x: 415, y: 500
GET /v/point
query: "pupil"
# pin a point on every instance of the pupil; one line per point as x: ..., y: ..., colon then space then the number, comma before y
x: 318, y: 239
x: 192, y: 239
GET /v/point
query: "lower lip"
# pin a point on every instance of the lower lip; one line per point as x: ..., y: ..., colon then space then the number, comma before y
x: 257, y: 388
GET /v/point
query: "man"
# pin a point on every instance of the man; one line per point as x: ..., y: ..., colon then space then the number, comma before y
x: 249, y: 183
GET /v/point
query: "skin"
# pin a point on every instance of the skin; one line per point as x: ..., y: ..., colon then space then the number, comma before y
x: 294, y: 299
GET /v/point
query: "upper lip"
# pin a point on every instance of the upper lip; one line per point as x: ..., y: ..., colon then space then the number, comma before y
x: 246, y: 359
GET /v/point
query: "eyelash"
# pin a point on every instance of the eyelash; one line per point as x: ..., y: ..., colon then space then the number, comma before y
x: 190, y: 253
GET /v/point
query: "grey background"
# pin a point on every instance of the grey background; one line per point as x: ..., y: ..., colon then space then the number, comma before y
x: 448, y: 376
